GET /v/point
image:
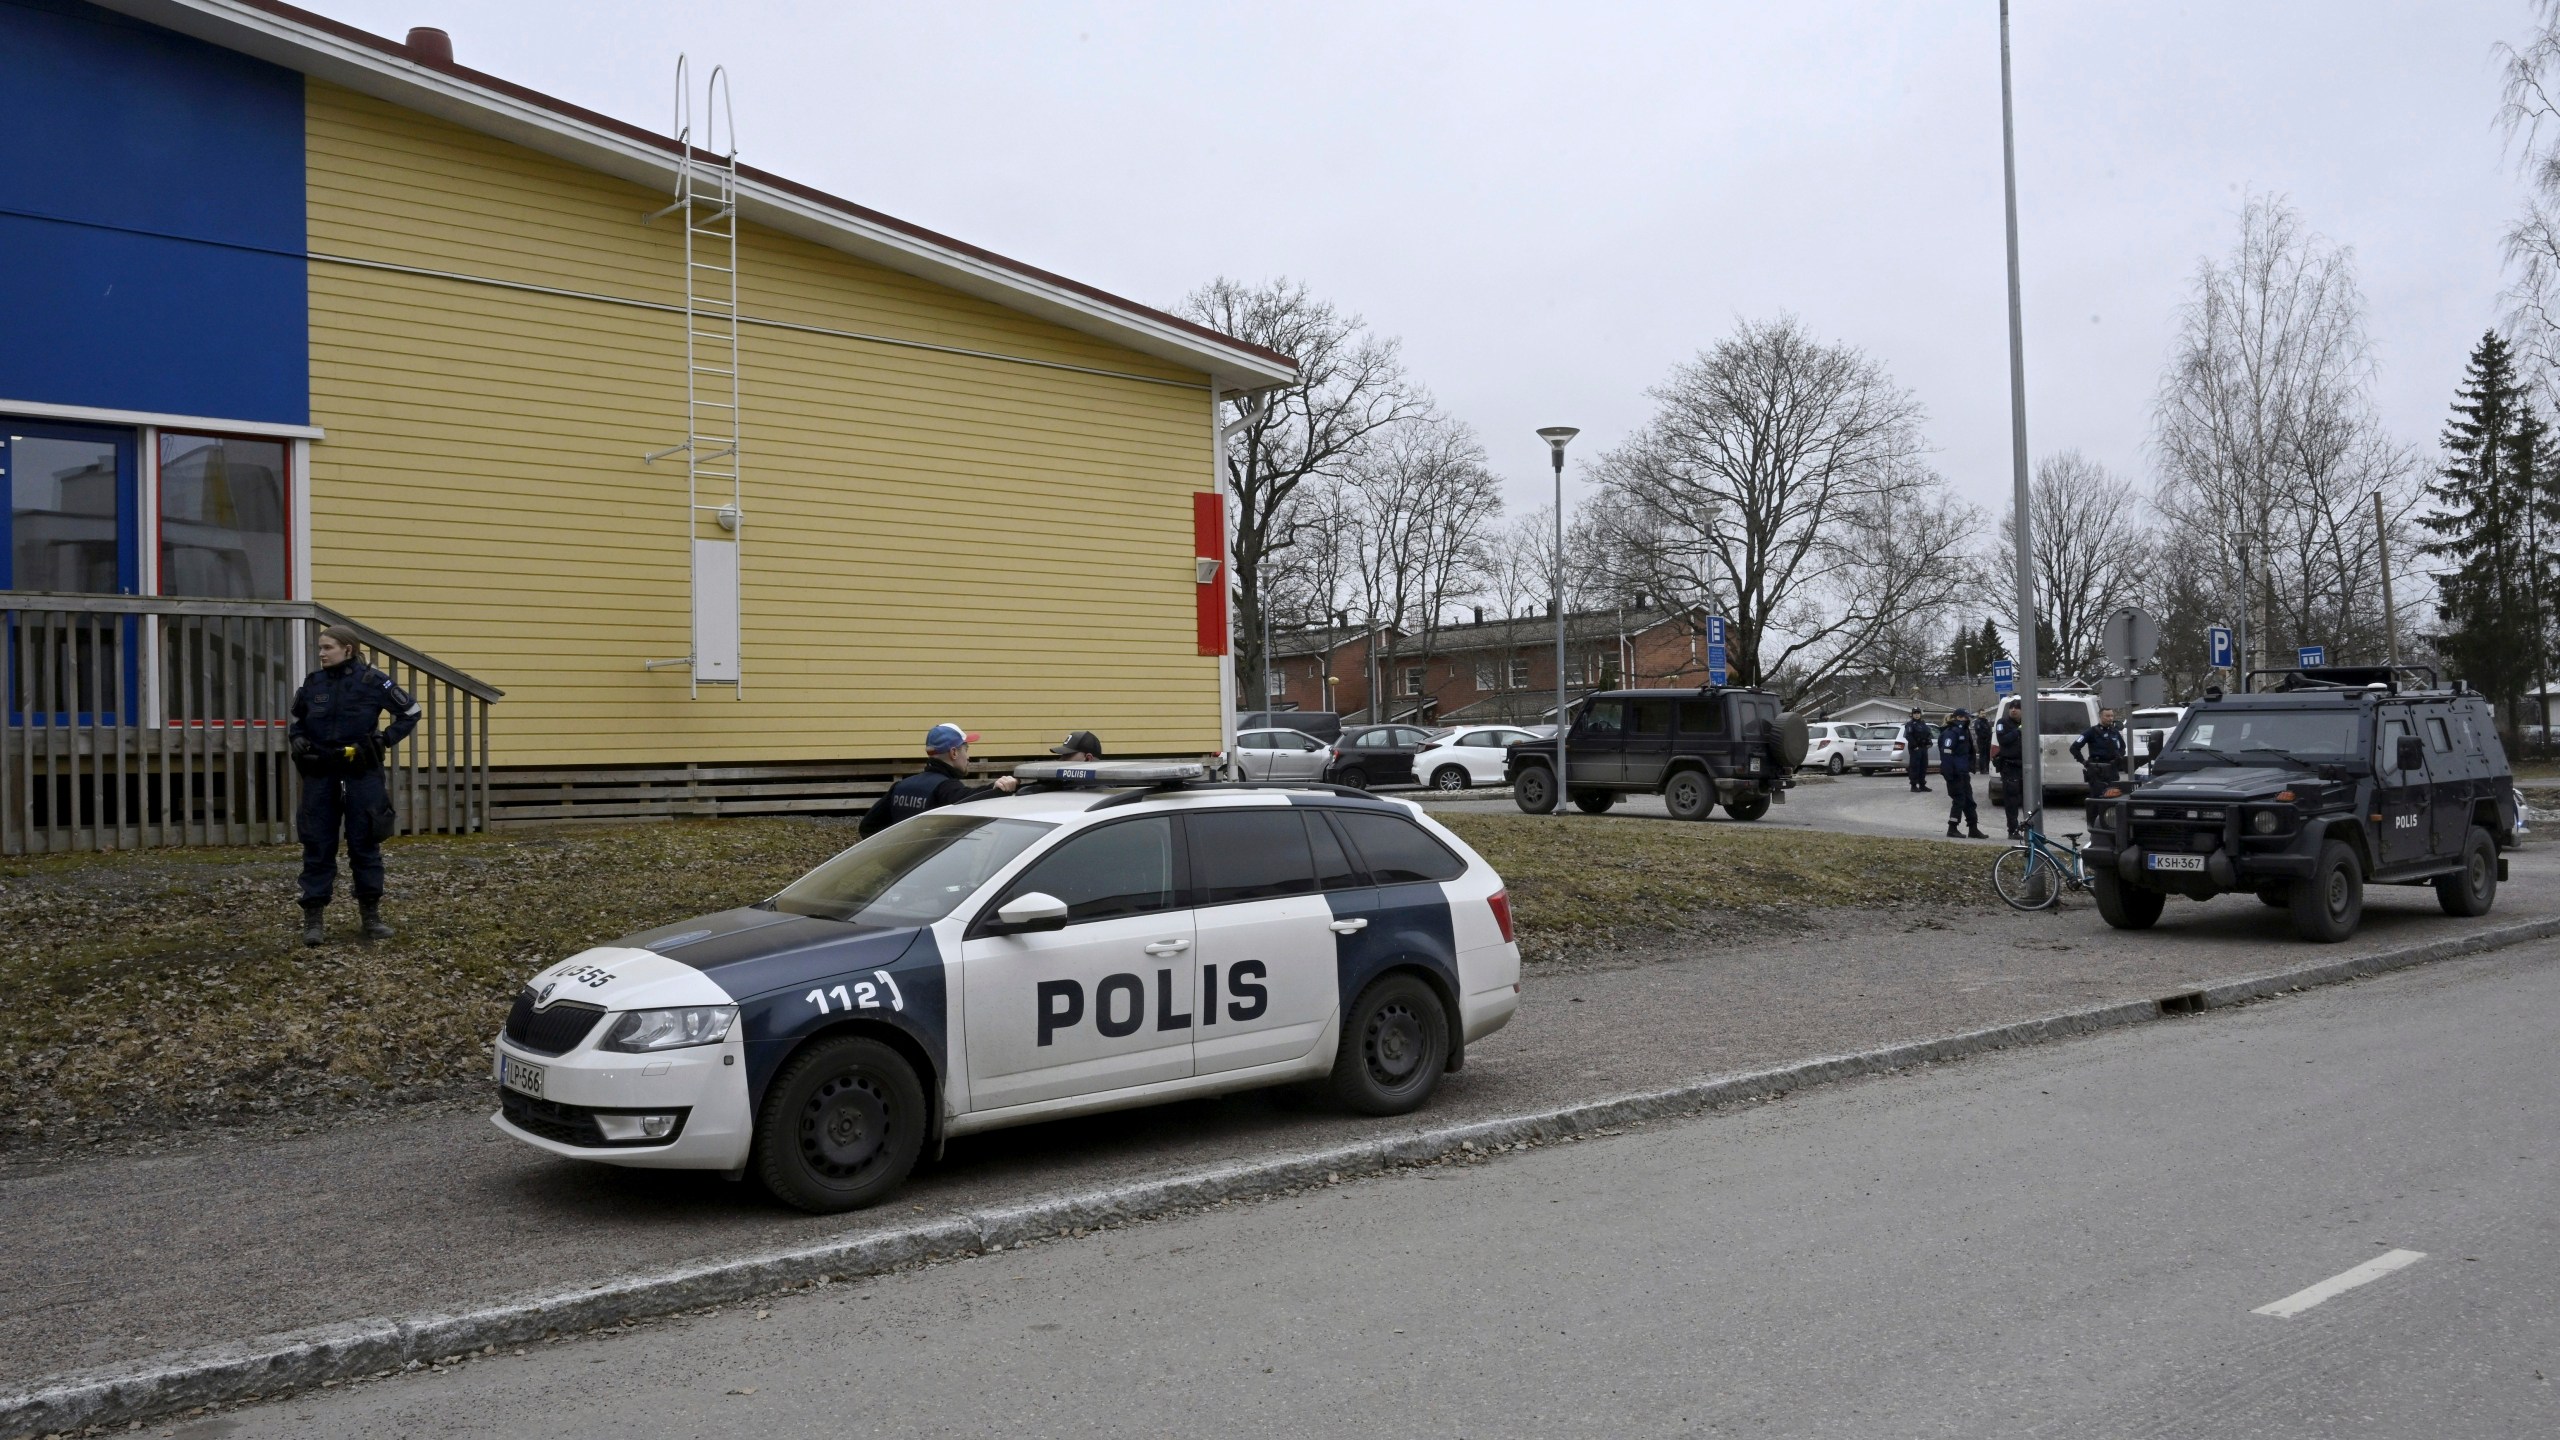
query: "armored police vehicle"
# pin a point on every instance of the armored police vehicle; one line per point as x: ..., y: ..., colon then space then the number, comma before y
x: 1714, y: 745
x: 2334, y: 779
x: 1006, y: 960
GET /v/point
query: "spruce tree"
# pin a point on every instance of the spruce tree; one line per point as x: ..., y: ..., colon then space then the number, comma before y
x: 2486, y: 503
x: 1990, y: 646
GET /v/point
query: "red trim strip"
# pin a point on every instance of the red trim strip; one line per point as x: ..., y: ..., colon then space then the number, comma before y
x: 1209, y: 542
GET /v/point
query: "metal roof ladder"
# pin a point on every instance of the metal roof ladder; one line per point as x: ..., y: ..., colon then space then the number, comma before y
x: 706, y: 202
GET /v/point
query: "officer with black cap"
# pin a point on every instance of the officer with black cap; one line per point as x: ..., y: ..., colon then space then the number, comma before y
x: 943, y: 781
x: 339, y: 753
x: 1955, y: 762
x: 1078, y: 748
x: 2009, y: 753
x: 1917, y: 739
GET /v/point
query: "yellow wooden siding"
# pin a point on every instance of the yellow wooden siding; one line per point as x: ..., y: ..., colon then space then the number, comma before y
x: 929, y: 536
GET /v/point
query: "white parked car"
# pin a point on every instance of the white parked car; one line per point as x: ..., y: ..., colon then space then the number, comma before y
x: 1880, y: 748
x: 2065, y: 713
x: 2144, y: 727
x: 1281, y: 755
x: 1831, y: 747
x: 1021, y: 958
x: 1466, y: 757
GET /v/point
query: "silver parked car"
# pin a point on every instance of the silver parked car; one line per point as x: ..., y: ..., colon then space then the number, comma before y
x: 1278, y: 754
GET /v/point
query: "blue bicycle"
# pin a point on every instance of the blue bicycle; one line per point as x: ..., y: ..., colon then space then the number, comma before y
x: 2032, y: 874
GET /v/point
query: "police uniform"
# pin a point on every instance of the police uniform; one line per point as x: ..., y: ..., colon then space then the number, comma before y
x: 2100, y: 751
x: 2012, y: 760
x: 1079, y: 742
x: 339, y: 752
x: 1917, y: 737
x: 938, y: 784
x: 1955, y: 762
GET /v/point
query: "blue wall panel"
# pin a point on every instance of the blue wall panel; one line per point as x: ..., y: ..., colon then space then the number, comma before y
x: 151, y: 220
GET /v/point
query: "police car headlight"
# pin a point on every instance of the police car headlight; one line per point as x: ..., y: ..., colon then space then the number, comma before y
x: 643, y: 1030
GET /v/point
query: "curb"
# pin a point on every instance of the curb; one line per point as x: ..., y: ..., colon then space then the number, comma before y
x: 298, y: 1360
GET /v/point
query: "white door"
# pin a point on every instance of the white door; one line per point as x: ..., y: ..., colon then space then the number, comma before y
x: 1268, y: 980
x: 1103, y: 1004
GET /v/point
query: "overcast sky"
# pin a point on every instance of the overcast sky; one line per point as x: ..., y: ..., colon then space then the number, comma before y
x: 1554, y: 204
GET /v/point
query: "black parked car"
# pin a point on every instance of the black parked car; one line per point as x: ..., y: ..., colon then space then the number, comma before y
x: 2337, y: 778
x: 1368, y: 755
x: 1700, y: 748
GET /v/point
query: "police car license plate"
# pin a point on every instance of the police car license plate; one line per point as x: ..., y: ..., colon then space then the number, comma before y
x: 518, y: 1076
x: 2157, y: 862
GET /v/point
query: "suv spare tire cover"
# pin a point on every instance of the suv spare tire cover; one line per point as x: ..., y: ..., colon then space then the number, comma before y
x: 1794, y: 742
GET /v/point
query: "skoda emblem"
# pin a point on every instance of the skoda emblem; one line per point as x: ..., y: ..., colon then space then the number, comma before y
x: 544, y: 998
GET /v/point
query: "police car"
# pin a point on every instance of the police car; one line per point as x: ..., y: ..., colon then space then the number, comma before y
x: 1050, y: 953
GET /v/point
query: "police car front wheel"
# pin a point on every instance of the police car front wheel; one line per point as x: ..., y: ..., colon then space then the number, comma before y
x: 842, y: 1126
x: 1395, y: 1043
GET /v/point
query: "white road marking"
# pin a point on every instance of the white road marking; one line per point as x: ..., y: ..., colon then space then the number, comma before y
x: 2342, y: 1282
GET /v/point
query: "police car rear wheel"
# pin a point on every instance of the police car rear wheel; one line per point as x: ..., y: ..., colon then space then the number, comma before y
x: 1449, y: 777
x: 1395, y: 1043
x: 842, y: 1126
x: 2472, y: 889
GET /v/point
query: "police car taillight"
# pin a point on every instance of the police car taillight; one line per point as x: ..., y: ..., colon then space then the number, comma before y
x: 1501, y: 903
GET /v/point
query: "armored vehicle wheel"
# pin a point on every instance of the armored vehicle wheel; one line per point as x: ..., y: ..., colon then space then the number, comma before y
x: 2126, y: 907
x: 1594, y: 802
x: 2327, y: 906
x: 1395, y: 1043
x: 2276, y: 897
x: 842, y: 1126
x: 1355, y: 777
x: 1689, y: 796
x: 1749, y: 805
x: 1449, y: 777
x: 1534, y: 789
x: 1836, y: 765
x: 2472, y: 889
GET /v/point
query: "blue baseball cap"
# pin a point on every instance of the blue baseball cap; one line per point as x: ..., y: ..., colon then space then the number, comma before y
x: 947, y: 737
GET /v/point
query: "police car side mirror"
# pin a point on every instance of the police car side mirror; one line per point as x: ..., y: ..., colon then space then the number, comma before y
x: 1033, y: 911
x: 2412, y: 753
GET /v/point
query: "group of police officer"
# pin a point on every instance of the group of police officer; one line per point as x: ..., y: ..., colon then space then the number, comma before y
x: 1967, y: 740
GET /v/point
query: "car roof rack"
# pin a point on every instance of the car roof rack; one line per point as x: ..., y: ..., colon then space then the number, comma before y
x: 1188, y: 787
x: 2297, y: 678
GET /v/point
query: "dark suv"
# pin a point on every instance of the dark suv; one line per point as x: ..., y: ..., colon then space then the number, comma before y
x: 1700, y: 748
x: 2334, y: 779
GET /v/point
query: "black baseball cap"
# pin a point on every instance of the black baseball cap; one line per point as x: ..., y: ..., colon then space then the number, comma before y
x: 1083, y: 740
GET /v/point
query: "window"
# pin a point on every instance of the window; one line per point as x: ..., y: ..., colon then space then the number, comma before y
x: 224, y: 518
x: 1278, y: 683
x: 1652, y: 718
x: 1480, y: 740
x: 1413, y: 680
x: 1399, y: 852
x: 1124, y: 868
x: 1258, y: 740
x: 1375, y: 740
x: 1603, y: 719
x: 2064, y: 717
x: 1573, y: 672
x: 1334, y: 870
x: 1407, y: 735
x: 2439, y: 739
x: 1250, y: 855
x: 913, y: 873
x: 1519, y: 672
x: 1484, y: 675
x: 2393, y: 732
x: 1701, y: 717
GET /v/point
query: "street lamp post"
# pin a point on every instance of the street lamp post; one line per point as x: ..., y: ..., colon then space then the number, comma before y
x: 2031, y: 775
x: 1557, y: 436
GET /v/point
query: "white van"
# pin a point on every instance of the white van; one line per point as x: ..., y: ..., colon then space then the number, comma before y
x: 2065, y: 713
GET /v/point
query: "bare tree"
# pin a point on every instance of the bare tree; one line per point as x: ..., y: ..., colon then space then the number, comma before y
x: 2090, y: 550
x: 2267, y: 441
x: 1780, y: 480
x: 2529, y: 113
x: 1351, y: 384
x: 1424, y: 505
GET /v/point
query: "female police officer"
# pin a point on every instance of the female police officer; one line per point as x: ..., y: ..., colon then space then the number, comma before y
x: 339, y: 753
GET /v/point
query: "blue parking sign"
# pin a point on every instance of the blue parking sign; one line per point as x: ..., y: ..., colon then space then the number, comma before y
x: 2218, y: 642
x: 2004, y: 677
x: 2310, y: 655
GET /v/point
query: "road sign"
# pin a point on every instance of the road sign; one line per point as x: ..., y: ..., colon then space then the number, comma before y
x: 2126, y: 693
x: 2132, y: 638
x: 2218, y: 642
x: 2004, y: 677
x: 1715, y: 650
x: 2310, y: 655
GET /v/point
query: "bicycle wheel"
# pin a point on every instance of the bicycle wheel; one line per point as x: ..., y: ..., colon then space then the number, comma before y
x: 2026, y: 879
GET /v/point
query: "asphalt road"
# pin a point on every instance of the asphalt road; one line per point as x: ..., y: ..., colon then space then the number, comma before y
x: 2065, y: 1241
x: 1852, y: 803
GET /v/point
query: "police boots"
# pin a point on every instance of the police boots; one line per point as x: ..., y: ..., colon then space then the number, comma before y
x: 374, y: 929
x: 313, y: 932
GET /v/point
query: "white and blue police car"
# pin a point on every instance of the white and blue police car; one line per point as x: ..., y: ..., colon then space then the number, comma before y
x: 1007, y: 960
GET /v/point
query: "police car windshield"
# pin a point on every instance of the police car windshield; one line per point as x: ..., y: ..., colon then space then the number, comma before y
x: 913, y: 873
x: 2289, y: 733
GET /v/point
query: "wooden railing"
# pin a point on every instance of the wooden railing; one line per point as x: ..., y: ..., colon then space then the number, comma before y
x: 139, y: 721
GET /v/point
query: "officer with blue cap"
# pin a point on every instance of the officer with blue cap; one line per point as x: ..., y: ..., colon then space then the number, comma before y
x: 943, y: 781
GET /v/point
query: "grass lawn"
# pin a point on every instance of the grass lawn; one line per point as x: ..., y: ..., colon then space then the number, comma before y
x: 161, y: 991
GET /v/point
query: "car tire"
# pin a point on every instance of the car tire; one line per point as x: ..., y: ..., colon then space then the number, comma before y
x: 842, y: 1126
x: 1395, y: 1043
x: 2328, y: 904
x: 2126, y: 907
x: 2472, y: 889
x: 1749, y: 805
x: 1355, y: 777
x: 1689, y: 795
x: 1595, y: 802
x: 1534, y: 789
x: 1450, y: 777
x: 1836, y: 765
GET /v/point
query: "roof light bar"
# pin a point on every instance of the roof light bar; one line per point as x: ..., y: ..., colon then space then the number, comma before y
x: 1114, y: 772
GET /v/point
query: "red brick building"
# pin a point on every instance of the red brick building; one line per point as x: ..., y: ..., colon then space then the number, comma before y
x: 1488, y: 669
